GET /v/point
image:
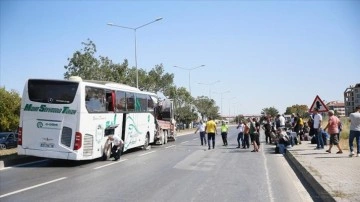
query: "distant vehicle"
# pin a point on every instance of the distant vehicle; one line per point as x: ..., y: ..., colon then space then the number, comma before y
x: 165, y: 122
x: 180, y: 126
x: 8, y: 140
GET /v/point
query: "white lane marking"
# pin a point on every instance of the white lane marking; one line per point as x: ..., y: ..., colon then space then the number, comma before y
x: 146, y: 153
x: 184, y: 142
x: 32, y: 187
x: 267, y: 176
x: 110, y: 164
x: 170, y: 146
x: 195, y: 138
x: 24, y: 164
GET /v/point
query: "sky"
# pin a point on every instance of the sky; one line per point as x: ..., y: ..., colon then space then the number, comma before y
x: 263, y: 53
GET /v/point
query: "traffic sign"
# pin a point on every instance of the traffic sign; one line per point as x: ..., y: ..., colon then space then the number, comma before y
x: 319, y: 104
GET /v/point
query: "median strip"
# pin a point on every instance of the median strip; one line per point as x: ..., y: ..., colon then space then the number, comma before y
x: 32, y: 187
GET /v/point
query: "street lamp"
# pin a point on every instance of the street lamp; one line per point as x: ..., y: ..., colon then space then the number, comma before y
x: 230, y: 104
x: 210, y: 84
x: 190, y: 69
x: 135, y: 28
x: 221, y: 93
x: 236, y: 107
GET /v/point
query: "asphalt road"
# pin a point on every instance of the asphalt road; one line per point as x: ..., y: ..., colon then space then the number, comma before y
x: 178, y: 171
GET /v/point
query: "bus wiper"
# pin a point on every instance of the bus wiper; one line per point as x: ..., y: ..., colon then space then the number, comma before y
x: 62, y: 101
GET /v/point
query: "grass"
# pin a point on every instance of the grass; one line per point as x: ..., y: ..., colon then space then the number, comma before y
x: 339, y: 194
x: 7, y: 153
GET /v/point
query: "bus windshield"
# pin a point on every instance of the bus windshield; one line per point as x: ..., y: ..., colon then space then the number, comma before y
x: 50, y: 91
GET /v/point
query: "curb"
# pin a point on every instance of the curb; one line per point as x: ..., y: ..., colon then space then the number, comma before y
x: 317, y: 192
x: 18, y: 160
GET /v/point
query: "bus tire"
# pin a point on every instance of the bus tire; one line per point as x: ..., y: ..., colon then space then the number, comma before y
x: 165, y: 136
x: 146, y: 143
x: 107, y: 152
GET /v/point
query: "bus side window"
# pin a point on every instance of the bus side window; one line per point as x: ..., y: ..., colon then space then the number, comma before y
x: 140, y: 102
x: 120, y: 101
x: 94, y: 99
x: 109, y: 102
x: 150, y: 104
x: 130, y: 102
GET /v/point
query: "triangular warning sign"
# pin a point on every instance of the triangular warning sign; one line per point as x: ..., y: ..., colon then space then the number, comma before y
x: 319, y: 104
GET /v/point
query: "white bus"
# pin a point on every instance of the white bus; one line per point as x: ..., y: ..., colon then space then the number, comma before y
x: 71, y: 119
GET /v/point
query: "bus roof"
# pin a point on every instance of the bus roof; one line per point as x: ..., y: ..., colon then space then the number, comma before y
x: 109, y: 84
x: 114, y: 85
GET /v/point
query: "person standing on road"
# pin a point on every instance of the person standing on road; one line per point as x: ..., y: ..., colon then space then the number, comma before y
x: 267, y: 129
x: 224, y: 132
x: 354, y: 119
x: 201, y: 128
x: 240, y: 136
x: 254, y: 135
x: 246, y: 142
x: 317, y: 129
x: 333, y: 130
x: 210, y: 129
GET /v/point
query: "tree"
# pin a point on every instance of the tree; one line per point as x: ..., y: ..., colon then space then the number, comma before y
x: 157, y: 80
x: 301, y: 109
x: 270, y: 111
x: 206, y: 107
x: 183, y: 103
x: 9, y: 110
x: 185, y: 114
x: 84, y: 63
x: 239, y: 118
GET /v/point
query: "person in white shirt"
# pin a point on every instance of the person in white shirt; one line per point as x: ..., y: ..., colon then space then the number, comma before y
x: 116, y: 149
x: 240, y: 136
x: 354, y: 119
x: 201, y: 128
x: 282, y: 121
x: 318, y: 130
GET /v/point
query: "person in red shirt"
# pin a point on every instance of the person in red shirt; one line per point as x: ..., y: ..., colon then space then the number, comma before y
x: 333, y: 130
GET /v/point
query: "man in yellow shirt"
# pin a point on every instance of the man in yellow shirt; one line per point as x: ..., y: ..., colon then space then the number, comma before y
x: 210, y: 129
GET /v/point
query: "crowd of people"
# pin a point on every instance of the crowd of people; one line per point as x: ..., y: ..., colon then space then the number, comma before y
x: 285, y: 136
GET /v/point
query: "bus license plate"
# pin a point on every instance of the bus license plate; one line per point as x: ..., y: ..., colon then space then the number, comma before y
x: 47, y: 145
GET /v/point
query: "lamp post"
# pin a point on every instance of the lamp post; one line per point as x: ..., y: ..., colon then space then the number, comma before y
x: 236, y: 107
x: 210, y: 84
x: 230, y: 104
x: 134, y: 29
x: 190, y: 69
x: 221, y: 93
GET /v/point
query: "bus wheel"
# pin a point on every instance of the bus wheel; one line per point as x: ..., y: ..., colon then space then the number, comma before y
x: 146, y: 143
x: 165, y: 136
x: 107, y: 152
